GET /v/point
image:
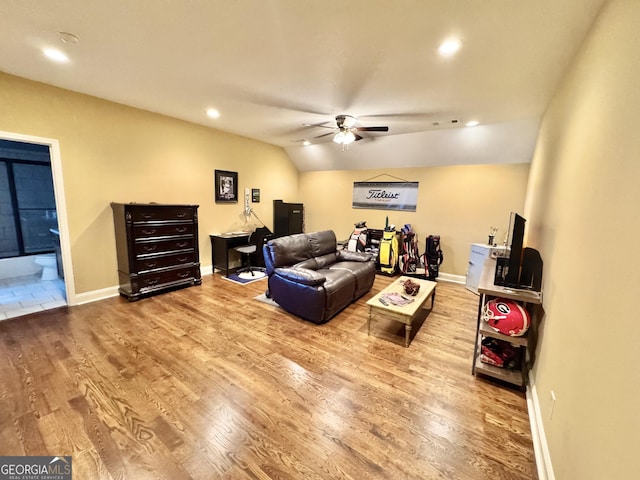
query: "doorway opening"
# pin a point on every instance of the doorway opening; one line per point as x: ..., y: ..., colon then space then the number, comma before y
x: 33, y: 239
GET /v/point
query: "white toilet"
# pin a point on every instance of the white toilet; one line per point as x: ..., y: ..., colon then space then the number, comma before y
x: 49, y: 266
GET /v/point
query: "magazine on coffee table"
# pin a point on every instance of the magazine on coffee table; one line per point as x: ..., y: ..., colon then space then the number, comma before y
x: 396, y: 299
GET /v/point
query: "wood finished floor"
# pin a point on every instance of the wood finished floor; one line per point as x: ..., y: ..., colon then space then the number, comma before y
x: 208, y: 383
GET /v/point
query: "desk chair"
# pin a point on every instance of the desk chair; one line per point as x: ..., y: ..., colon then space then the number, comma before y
x: 253, y: 249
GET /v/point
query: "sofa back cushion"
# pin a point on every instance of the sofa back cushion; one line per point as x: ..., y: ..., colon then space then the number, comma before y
x: 294, y: 249
x: 289, y: 250
x: 322, y: 243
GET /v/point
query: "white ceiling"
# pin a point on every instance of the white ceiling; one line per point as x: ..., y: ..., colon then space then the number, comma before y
x: 270, y: 66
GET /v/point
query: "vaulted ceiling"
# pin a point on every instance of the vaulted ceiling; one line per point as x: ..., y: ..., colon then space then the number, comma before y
x: 269, y: 67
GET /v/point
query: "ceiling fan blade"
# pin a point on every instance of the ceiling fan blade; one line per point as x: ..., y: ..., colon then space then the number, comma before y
x: 358, y: 137
x: 372, y: 129
x: 324, y: 135
x: 317, y: 125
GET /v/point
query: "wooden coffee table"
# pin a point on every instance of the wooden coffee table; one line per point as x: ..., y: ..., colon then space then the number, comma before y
x: 402, y: 313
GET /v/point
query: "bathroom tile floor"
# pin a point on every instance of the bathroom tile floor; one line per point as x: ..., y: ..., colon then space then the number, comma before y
x: 29, y: 294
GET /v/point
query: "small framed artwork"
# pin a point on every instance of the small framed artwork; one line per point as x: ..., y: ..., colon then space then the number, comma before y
x: 226, y: 186
x: 255, y: 195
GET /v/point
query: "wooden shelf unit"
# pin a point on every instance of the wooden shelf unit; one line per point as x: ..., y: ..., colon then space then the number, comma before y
x: 532, y: 301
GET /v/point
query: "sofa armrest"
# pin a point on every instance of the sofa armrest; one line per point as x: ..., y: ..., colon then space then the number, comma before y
x: 301, y: 275
x: 349, y: 256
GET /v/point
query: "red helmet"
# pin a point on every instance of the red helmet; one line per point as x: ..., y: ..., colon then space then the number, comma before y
x: 507, y: 317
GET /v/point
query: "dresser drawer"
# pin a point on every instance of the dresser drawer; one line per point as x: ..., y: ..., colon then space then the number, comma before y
x: 162, y: 230
x: 162, y: 213
x: 141, y: 249
x: 165, y: 277
x: 156, y: 262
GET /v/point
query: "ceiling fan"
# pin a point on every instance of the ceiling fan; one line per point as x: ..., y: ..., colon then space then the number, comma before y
x: 345, y: 131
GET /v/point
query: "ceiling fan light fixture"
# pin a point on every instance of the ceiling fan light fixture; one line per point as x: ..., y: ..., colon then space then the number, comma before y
x: 344, y: 137
x: 346, y: 121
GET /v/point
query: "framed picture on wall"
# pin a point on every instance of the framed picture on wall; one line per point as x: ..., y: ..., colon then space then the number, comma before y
x: 226, y: 186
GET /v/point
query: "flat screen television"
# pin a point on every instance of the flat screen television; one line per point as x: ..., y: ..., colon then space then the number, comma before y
x: 508, y: 268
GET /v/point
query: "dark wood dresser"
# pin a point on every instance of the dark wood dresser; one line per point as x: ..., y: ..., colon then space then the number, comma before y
x: 157, y: 247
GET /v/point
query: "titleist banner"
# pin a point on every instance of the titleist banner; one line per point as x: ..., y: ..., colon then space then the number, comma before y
x: 386, y: 195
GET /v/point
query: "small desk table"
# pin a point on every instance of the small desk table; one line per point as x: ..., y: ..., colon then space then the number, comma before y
x: 403, y: 313
x: 221, y: 243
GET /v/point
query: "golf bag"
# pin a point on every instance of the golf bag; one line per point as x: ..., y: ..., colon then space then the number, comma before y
x: 388, y: 256
x: 409, y: 260
x: 433, y: 256
x: 358, y: 239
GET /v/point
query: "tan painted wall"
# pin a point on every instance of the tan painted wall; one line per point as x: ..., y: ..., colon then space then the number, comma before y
x: 583, y: 203
x: 458, y: 203
x: 111, y: 152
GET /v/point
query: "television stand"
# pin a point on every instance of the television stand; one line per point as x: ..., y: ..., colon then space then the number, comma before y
x: 521, y: 291
x: 526, y: 344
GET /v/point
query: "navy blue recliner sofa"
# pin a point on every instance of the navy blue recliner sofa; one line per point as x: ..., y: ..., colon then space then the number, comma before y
x: 309, y: 277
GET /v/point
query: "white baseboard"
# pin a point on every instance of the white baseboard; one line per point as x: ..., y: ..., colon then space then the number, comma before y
x: 450, y: 277
x: 109, y: 292
x: 208, y: 270
x: 540, y: 446
x: 95, y: 295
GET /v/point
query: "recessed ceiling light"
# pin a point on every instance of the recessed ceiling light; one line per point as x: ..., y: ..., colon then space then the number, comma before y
x: 213, y: 113
x: 472, y: 123
x: 449, y: 47
x: 55, y: 55
x: 68, y: 38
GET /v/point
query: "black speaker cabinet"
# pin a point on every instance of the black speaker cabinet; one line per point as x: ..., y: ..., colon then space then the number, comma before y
x: 531, y: 272
x: 288, y: 218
